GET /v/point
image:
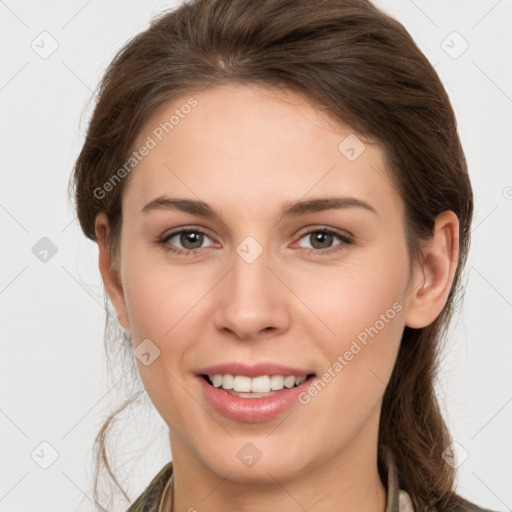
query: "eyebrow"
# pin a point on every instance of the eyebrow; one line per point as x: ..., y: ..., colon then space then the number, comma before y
x: 288, y: 209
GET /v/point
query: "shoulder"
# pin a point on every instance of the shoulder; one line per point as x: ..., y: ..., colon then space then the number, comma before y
x: 149, y: 500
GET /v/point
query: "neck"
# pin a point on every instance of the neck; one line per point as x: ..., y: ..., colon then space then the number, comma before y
x: 346, y: 481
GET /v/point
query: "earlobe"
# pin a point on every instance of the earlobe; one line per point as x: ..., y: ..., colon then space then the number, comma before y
x: 433, y: 280
x: 108, y: 270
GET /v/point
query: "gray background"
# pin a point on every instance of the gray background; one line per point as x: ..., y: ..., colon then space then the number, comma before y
x: 52, y: 368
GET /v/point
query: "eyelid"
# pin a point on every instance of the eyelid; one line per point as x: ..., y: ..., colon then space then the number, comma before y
x: 319, y: 227
x: 185, y: 228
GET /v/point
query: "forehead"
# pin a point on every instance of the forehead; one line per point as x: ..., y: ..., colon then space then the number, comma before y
x: 254, y: 147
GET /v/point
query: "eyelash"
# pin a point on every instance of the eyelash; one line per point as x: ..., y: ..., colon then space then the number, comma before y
x: 344, y: 239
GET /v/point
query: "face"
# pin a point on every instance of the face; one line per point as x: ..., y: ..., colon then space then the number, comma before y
x: 275, y: 276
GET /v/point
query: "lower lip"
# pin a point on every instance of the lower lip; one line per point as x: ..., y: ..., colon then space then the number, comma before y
x: 252, y: 410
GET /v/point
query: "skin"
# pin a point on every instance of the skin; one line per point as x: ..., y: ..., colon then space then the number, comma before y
x: 246, y: 150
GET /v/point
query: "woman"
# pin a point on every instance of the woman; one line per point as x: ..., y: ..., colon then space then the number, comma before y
x: 227, y: 136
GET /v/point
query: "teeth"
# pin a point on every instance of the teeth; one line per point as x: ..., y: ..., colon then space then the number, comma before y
x: 217, y: 380
x: 260, y: 384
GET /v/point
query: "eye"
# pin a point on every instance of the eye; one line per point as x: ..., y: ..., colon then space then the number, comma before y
x: 191, y: 239
x: 321, y: 240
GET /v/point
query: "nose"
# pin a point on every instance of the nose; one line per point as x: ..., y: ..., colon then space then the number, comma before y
x: 252, y: 299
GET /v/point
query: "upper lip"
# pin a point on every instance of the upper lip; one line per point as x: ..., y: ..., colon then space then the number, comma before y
x: 254, y: 370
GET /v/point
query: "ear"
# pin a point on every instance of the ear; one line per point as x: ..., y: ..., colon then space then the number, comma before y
x: 433, y: 279
x: 109, y: 272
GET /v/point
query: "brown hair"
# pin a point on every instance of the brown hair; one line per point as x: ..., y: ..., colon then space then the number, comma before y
x: 364, y: 67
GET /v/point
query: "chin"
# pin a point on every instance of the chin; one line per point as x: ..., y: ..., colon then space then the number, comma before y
x: 242, y: 461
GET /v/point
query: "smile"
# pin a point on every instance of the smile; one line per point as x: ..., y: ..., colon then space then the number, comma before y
x: 252, y: 399
x: 255, y: 387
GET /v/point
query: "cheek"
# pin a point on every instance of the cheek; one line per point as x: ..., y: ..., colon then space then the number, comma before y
x: 163, y: 304
x: 159, y: 298
x: 358, y: 300
x: 359, y: 362
x: 362, y: 310
x: 367, y: 332
x: 160, y: 305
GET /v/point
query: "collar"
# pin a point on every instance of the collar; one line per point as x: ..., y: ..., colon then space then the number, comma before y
x: 398, y: 500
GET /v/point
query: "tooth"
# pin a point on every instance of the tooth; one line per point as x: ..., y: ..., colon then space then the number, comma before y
x: 260, y: 384
x: 241, y: 383
x: 289, y: 381
x: 276, y: 382
x: 300, y: 380
x: 217, y: 380
x: 254, y: 395
x: 227, y: 383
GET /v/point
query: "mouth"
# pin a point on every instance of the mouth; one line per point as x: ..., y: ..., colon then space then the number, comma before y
x: 260, y: 386
x: 252, y: 399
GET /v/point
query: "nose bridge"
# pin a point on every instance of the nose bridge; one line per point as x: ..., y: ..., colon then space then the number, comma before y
x: 250, y: 272
x: 251, y: 300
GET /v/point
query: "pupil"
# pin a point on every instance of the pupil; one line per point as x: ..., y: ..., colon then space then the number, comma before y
x: 186, y: 237
x: 325, y: 236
